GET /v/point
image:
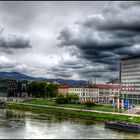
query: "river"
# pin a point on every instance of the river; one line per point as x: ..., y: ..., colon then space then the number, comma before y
x: 15, y: 124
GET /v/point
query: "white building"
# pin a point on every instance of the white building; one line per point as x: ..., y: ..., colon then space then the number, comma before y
x: 85, y: 92
x: 130, y: 79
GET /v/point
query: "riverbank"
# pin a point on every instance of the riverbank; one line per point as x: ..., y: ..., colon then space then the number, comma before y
x: 74, y: 105
x: 78, y: 113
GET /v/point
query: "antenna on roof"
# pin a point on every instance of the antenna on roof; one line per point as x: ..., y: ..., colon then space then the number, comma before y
x: 95, y: 80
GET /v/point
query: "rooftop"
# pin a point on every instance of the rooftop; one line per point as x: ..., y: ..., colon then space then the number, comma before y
x: 106, y: 86
x: 131, y: 57
x: 64, y: 86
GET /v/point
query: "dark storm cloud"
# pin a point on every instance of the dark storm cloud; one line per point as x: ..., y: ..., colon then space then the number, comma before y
x: 107, y: 37
x: 13, y: 41
x: 59, y: 72
x: 63, y: 75
x: 72, y: 65
x: 99, y: 74
x: 113, y: 24
x: 129, y: 4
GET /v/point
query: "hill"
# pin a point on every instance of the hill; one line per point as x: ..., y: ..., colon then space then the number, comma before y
x: 20, y: 76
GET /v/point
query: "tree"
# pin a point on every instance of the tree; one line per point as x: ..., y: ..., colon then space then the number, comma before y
x: 41, y: 89
x: 51, y: 90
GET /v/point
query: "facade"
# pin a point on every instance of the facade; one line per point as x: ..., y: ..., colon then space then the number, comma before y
x: 22, y: 88
x: 130, y: 79
x: 94, y: 93
x: 108, y: 91
x: 13, y: 88
x: 63, y: 89
x: 8, y: 87
x: 85, y: 92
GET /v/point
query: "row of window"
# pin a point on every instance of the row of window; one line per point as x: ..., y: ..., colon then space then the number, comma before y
x: 129, y: 71
x: 91, y: 90
x: 130, y: 67
x: 130, y: 83
x: 91, y: 99
x: 76, y: 89
x: 130, y: 75
x: 130, y: 79
x: 109, y: 89
x: 131, y: 62
x: 88, y: 94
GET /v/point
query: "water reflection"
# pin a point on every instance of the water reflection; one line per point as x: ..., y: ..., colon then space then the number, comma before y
x: 25, y: 125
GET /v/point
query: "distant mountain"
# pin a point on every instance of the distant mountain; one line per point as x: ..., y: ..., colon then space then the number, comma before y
x: 67, y: 81
x: 20, y: 76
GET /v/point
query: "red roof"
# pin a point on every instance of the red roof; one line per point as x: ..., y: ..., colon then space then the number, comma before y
x: 64, y: 86
x: 114, y: 86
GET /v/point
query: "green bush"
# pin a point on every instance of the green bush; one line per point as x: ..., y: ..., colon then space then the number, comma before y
x: 89, y: 103
x: 61, y: 99
x: 69, y: 98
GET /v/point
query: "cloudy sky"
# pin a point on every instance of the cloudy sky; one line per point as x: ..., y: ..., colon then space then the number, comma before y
x: 71, y: 40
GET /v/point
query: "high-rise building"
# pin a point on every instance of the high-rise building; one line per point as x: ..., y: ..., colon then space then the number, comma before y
x: 130, y: 79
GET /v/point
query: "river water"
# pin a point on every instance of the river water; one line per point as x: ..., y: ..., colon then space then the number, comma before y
x: 15, y: 124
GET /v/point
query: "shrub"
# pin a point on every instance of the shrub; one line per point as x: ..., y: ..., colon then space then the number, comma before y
x: 69, y: 98
x: 89, y: 103
x: 61, y: 99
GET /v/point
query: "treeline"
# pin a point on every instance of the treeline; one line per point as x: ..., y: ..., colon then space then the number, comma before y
x: 42, y: 89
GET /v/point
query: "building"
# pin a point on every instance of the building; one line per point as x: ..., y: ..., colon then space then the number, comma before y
x: 63, y: 89
x: 13, y: 88
x: 92, y: 92
x: 87, y: 92
x: 130, y: 79
x: 22, y: 89
x: 108, y: 91
x: 8, y: 87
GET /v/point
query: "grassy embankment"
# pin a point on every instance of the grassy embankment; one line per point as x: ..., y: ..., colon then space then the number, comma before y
x: 74, y: 113
x: 81, y: 106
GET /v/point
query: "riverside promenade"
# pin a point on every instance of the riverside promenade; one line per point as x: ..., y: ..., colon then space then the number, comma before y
x: 83, y: 110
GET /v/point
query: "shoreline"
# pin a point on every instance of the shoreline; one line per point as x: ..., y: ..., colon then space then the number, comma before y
x: 74, y: 113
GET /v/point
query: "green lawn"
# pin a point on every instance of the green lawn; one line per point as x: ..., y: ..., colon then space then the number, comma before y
x: 46, y: 102
x: 106, y: 108
x: 74, y: 113
x: 39, y: 101
x: 81, y: 106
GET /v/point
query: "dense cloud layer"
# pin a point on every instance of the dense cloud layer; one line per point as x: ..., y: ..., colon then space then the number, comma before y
x: 106, y: 37
x: 71, y: 40
x: 13, y: 41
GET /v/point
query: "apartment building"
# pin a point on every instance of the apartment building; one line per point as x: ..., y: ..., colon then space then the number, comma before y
x: 130, y: 79
x: 108, y: 91
x: 63, y: 89
x: 85, y: 92
x: 13, y: 88
x: 8, y: 87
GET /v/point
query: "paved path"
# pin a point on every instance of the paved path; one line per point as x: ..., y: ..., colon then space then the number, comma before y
x: 84, y: 110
